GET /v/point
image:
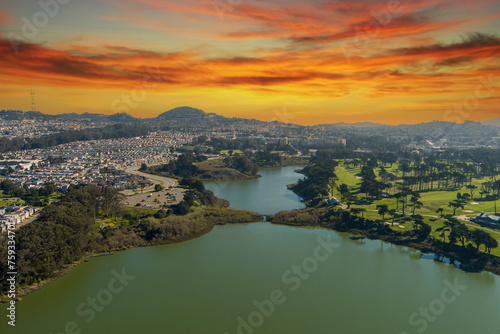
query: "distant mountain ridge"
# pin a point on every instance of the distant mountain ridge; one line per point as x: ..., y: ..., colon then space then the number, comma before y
x: 32, y: 115
x: 359, y: 124
x: 493, y: 121
x: 176, y: 113
x: 185, y: 114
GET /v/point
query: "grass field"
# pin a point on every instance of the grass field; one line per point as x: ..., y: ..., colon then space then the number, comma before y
x: 234, y: 152
x: 7, y: 201
x: 214, y: 164
x: 431, y: 200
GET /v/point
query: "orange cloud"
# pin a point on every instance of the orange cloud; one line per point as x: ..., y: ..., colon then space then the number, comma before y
x: 315, y: 55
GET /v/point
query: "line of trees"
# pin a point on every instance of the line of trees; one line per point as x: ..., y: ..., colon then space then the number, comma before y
x: 61, y: 235
x: 35, y: 197
x: 457, y: 231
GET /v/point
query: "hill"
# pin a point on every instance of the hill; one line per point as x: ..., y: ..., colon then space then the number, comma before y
x: 359, y: 124
x: 493, y: 121
x: 182, y: 113
x: 19, y: 115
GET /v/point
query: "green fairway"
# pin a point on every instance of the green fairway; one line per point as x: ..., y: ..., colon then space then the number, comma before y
x: 432, y: 200
x: 234, y: 152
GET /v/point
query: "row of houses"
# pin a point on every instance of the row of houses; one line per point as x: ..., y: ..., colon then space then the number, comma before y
x: 15, y: 214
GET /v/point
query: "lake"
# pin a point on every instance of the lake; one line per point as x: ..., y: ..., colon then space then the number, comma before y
x: 264, y: 279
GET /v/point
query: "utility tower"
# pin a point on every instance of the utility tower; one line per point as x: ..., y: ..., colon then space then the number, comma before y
x: 33, y: 107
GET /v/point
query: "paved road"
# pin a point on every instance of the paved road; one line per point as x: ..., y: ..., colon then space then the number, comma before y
x: 166, y: 181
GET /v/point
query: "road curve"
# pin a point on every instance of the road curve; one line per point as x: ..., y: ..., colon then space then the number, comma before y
x: 166, y: 181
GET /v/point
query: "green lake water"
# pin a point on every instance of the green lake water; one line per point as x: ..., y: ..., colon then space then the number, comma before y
x: 264, y: 279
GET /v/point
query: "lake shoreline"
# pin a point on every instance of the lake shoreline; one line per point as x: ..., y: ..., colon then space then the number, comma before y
x: 207, y: 228
x: 472, y: 261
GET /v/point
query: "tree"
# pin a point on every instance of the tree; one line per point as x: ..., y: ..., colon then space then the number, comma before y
x: 472, y: 188
x: 144, y: 167
x: 416, y: 203
x: 479, y: 237
x: 490, y: 243
x: 159, y: 187
x: 398, y: 199
x: 405, y: 191
x: 350, y: 199
x: 486, y: 188
x: 384, y: 175
x: 346, y: 196
x: 455, y: 205
x: 189, y: 198
x: 459, y: 232
x: 447, y: 227
x: 439, y: 211
x: 355, y: 211
x: 48, y: 189
x: 382, y: 210
x: 393, y: 213
x: 143, y: 185
x: 362, y: 212
x: 111, y: 202
x: 160, y: 214
x: 343, y: 188
x: 404, y: 167
x: 421, y: 229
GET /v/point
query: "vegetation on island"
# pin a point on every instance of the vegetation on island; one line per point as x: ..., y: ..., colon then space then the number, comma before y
x: 195, y: 165
x: 232, y: 166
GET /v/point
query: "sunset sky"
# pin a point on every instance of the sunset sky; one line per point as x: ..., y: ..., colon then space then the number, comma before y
x: 302, y: 62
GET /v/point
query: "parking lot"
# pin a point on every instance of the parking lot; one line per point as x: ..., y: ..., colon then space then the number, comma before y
x: 157, y: 199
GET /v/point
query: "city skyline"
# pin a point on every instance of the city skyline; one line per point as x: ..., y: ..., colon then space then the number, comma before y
x: 387, y: 62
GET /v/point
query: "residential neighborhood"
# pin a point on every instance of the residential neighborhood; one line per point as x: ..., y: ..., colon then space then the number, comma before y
x: 15, y: 215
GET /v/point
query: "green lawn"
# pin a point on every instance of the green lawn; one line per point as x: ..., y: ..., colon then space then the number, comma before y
x: 6, y: 201
x: 234, y: 152
x: 208, y: 165
x: 431, y: 200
